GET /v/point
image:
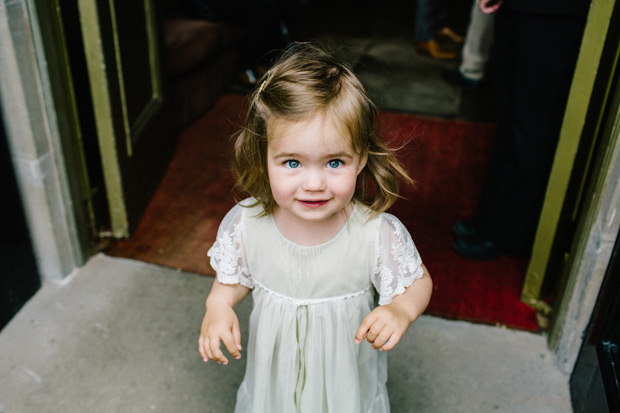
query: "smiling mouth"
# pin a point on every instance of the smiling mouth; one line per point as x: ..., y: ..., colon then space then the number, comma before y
x: 313, y: 204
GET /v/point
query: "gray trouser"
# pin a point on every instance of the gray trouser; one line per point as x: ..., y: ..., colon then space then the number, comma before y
x: 477, y: 47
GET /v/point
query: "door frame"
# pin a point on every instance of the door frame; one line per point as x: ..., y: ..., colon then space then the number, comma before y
x: 37, y: 101
x: 579, y: 224
x: 582, y: 123
x: 127, y: 141
x: 597, y: 229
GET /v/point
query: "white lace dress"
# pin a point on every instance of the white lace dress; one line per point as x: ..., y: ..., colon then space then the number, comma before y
x: 308, y: 304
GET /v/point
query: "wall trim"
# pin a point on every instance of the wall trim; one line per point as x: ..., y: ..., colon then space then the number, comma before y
x: 34, y: 141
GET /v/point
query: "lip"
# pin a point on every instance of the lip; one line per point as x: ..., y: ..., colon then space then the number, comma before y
x: 313, y: 203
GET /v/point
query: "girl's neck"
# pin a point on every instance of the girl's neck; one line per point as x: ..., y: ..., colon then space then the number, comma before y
x: 309, y: 233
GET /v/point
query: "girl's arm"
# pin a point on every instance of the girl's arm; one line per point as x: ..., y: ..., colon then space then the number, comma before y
x: 386, y: 324
x: 221, y: 323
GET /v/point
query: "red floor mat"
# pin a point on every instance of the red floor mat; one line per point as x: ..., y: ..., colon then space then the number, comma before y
x: 446, y: 158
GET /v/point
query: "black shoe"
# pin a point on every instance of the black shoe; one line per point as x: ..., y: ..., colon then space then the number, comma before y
x: 477, y: 249
x: 456, y: 78
x: 464, y: 229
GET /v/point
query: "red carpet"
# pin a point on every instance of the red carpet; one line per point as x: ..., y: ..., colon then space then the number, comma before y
x: 447, y: 159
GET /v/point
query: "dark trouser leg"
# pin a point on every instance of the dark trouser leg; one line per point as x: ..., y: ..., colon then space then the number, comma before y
x: 536, y: 56
x: 430, y: 16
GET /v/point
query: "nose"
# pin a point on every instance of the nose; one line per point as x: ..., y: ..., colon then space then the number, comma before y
x: 314, y: 180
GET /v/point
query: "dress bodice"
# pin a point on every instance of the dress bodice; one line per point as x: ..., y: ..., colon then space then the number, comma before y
x: 319, y: 271
x: 368, y: 249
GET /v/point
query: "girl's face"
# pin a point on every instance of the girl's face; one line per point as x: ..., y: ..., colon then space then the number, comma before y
x: 312, y: 168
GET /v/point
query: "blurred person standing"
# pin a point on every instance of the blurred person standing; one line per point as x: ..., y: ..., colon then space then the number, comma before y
x: 431, y: 26
x: 536, y: 45
x: 476, y: 51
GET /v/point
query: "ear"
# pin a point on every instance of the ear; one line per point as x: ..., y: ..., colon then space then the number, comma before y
x: 362, y: 164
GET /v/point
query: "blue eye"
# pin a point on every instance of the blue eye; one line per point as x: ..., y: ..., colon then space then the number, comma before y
x: 292, y: 163
x: 334, y: 163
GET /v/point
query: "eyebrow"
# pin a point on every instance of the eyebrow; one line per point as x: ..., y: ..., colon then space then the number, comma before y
x: 328, y: 156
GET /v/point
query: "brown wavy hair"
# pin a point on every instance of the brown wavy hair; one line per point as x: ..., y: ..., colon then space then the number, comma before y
x: 306, y: 81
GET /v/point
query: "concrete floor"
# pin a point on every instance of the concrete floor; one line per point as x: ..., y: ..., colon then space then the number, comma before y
x: 121, y: 336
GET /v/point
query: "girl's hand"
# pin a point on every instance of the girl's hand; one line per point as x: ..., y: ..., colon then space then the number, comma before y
x: 220, y: 323
x: 384, y: 327
x: 386, y: 324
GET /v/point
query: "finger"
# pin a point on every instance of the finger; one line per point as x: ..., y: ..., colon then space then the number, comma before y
x: 207, y: 349
x: 237, y: 336
x: 382, y: 338
x: 492, y: 9
x: 217, y: 355
x: 375, y: 330
x: 231, y: 345
x: 371, y: 337
x: 489, y: 9
x: 362, y: 331
x: 201, y: 349
x: 391, y: 342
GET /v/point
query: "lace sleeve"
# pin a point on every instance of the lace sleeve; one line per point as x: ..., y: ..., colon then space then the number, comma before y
x: 228, y: 253
x: 397, y: 261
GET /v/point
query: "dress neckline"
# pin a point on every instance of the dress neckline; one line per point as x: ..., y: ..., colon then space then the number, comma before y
x: 329, y: 241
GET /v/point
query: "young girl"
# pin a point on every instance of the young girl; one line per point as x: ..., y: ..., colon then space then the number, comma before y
x: 314, y: 246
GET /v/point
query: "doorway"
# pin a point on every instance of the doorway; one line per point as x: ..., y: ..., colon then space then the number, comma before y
x: 376, y: 40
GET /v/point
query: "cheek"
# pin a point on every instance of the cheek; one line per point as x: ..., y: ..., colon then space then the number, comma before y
x: 279, y: 184
x: 345, y: 185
